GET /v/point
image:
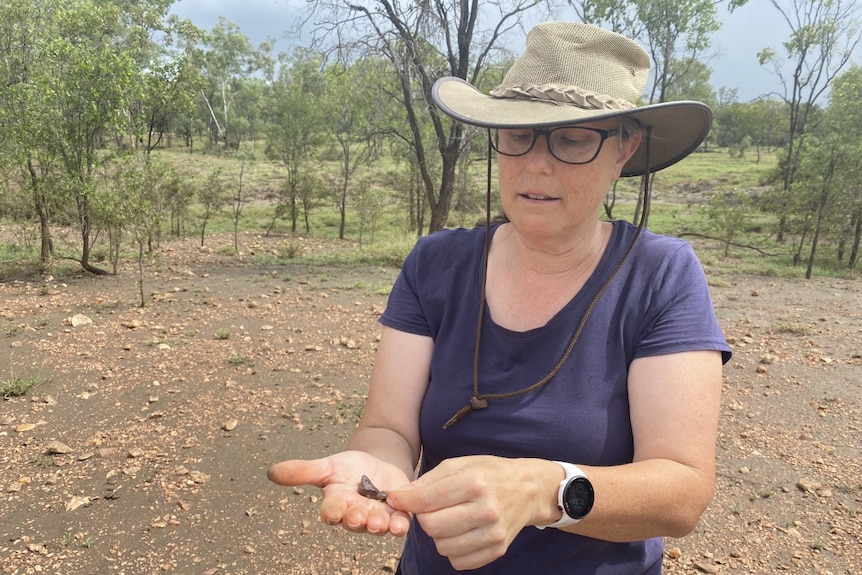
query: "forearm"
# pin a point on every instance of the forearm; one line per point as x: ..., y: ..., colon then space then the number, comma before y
x: 633, y: 502
x: 386, y: 445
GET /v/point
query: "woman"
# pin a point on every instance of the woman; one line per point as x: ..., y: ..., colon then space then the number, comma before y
x: 555, y: 370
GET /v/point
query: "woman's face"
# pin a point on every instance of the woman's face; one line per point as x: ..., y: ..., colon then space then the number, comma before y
x: 542, y: 195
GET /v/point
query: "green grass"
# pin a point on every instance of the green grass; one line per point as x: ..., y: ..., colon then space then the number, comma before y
x: 18, y: 386
x: 718, y: 168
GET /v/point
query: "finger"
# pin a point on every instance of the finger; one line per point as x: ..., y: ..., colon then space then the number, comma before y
x: 428, y: 494
x: 300, y: 472
x: 333, y: 507
x: 399, y: 523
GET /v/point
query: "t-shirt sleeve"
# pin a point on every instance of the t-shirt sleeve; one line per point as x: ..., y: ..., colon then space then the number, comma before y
x: 680, y: 313
x: 404, y: 309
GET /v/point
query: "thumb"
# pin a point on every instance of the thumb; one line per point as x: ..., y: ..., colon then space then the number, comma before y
x: 300, y: 472
x: 411, y: 498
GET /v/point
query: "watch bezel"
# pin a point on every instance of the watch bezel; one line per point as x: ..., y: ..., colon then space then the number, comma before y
x: 572, y: 506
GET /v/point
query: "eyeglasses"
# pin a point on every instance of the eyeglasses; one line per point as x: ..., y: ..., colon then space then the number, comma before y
x: 570, y: 145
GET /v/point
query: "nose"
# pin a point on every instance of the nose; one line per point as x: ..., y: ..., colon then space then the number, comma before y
x: 540, y: 153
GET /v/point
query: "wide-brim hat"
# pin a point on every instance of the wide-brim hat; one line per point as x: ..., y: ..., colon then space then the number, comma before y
x: 572, y: 73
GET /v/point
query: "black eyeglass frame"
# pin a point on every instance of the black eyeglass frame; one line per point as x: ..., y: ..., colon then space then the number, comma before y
x: 604, y: 134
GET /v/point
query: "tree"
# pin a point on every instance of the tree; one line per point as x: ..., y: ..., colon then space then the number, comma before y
x: 349, y: 103
x: 760, y: 124
x: 228, y: 64
x: 728, y: 213
x: 25, y: 28
x: 212, y: 199
x: 137, y: 187
x: 295, y: 124
x: 238, y: 198
x: 832, y: 169
x: 171, y: 82
x: 422, y: 42
x: 823, y: 35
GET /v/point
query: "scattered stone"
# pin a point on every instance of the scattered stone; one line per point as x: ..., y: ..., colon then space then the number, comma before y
x: 78, y: 320
x: 808, y: 485
x: 76, y: 502
x: 135, y: 453
x: 705, y: 568
x: 230, y: 425
x: 58, y: 448
x: 199, y: 477
x: 768, y: 359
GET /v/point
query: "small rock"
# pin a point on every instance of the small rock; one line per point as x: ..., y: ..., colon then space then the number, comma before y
x: 808, y: 485
x: 704, y: 568
x: 230, y: 425
x: 136, y: 452
x: 78, y: 320
x: 58, y: 448
x: 77, y: 502
x: 199, y: 477
x: 767, y: 359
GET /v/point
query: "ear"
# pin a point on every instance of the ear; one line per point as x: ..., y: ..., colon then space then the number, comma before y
x: 627, y: 149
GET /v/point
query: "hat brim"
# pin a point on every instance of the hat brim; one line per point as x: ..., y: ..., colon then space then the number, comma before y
x: 676, y: 128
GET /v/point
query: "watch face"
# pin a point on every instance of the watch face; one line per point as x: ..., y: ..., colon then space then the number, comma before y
x: 578, y: 498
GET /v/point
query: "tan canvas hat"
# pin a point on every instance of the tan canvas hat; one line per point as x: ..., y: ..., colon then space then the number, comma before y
x: 571, y: 73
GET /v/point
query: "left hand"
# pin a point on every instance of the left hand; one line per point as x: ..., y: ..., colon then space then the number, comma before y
x: 473, y: 507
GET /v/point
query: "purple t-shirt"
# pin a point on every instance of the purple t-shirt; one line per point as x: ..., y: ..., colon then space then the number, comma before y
x: 659, y: 303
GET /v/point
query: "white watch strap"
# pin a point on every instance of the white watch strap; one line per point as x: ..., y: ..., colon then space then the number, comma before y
x: 571, y: 472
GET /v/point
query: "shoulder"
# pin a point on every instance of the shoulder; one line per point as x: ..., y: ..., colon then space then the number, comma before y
x: 446, y: 249
x: 655, y: 254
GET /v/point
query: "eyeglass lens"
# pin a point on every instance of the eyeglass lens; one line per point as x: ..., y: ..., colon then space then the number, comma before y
x: 572, y: 145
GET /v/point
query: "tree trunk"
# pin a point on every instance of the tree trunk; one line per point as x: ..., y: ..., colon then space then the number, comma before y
x: 854, y: 253
x: 42, y: 205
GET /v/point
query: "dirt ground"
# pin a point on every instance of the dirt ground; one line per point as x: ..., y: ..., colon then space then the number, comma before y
x: 145, y: 448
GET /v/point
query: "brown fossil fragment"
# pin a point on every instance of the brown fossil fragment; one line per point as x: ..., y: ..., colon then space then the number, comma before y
x: 367, y: 489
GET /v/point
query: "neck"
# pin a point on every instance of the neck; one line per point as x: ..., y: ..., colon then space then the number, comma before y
x: 549, y: 257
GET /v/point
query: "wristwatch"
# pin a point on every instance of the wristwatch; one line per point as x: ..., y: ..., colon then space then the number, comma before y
x: 575, y: 496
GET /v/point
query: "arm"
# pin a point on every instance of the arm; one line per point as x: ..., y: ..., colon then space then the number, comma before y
x: 389, y: 427
x: 385, y: 446
x: 674, y: 402
x: 475, y: 506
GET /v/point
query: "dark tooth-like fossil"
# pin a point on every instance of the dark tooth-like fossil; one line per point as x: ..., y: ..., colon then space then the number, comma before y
x: 367, y: 489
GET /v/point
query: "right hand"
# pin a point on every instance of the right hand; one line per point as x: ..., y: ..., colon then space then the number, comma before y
x: 338, y: 478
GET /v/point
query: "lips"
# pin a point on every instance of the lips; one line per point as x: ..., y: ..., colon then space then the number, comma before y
x: 537, y: 197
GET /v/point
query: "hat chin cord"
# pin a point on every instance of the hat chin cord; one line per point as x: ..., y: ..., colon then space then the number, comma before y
x: 480, y: 400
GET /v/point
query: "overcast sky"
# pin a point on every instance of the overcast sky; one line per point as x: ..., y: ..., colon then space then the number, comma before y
x: 744, y: 33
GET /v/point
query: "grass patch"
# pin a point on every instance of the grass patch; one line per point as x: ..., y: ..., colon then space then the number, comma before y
x: 18, y: 386
x: 793, y: 328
